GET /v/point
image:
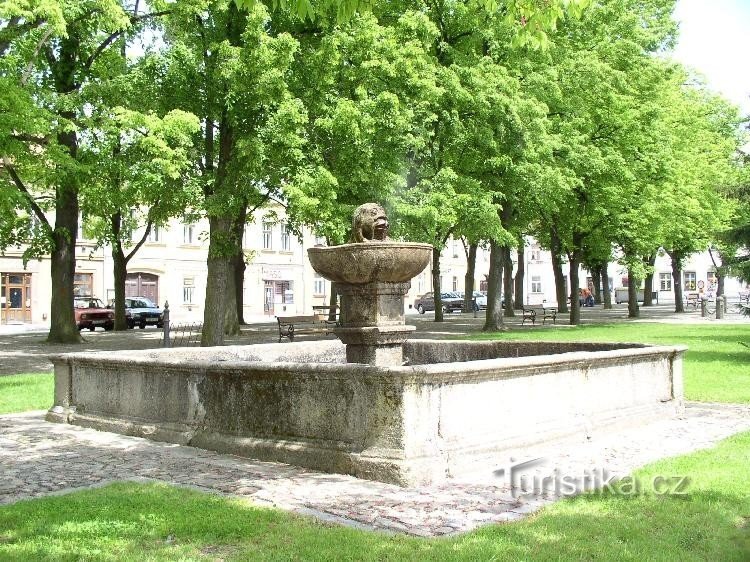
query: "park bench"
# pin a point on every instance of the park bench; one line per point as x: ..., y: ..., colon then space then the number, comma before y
x: 531, y: 314
x: 691, y: 299
x: 290, y: 326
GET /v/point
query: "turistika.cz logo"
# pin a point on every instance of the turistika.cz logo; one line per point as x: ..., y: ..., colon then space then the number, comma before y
x: 529, y: 478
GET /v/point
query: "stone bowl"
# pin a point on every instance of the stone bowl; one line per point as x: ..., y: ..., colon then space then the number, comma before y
x: 371, y: 262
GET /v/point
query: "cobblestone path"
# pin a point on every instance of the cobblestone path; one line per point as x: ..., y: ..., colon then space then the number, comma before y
x: 39, y: 458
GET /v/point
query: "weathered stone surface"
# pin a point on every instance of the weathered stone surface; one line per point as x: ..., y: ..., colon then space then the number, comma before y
x: 413, y: 424
x: 386, y: 262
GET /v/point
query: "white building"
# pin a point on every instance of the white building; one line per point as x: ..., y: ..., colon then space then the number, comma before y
x: 171, y: 266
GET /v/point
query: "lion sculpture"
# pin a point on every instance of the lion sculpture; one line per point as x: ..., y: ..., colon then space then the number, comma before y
x: 369, y: 223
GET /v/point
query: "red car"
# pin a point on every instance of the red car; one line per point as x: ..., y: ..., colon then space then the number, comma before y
x: 90, y: 312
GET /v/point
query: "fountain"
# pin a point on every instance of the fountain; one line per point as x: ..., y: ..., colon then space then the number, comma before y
x: 372, y: 276
x: 374, y: 404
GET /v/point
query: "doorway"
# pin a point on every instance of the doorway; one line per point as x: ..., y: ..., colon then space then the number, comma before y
x: 142, y: 285
x: 15, y: 298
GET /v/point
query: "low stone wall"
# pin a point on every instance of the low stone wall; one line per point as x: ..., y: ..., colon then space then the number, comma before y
x: 449, y: 411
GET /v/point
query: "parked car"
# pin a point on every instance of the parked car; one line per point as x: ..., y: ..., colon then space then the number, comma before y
x: 450, y: 301
x: 142, y: 312
x: 479, y: 298
x: 90, y: 312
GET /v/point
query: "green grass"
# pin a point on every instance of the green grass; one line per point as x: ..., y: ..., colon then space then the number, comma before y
x: 21, y: 393
x: 128, y: 521
x: 716, y: 366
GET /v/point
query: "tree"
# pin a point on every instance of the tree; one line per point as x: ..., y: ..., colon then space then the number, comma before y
x: 53, y: 52
x: 224, y: 66
x: 141, y: 162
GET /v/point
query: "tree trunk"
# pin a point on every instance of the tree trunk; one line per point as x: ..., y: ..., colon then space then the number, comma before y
x: 575, y: 303
x: 508, y: 282
x: 679, y: 305
x: 63, y: 327
x: 606, y: 289
x: 633, y: 283
x: 596, y: 277
x: 436, y: 285
x: 648, y: 286
x: 231, y: 321
x: 238, y: 271
x: 520, y: 275
x: 471, y: 267
x: 217, y: 283
x: 557, y: 270
x: 235, y: 282
x: 238, y: 266
x: 332, y: 303
x: 720, y: 276
x: 120, y: 270
x: 493, y: 321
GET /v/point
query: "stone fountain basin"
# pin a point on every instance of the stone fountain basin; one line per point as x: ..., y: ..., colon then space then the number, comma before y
x: 382, y: 262
x: 450, y: 412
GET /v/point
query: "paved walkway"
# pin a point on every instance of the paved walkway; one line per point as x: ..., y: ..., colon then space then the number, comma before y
x: 23, y: 351
x: 39, y: 458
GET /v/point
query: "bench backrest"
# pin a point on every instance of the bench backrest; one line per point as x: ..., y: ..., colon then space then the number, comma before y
x: 295, y: 319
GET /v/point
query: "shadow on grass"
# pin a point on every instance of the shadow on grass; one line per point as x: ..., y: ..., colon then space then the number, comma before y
x: 160, y: 522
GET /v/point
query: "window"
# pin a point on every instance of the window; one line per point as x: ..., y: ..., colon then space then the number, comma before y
x: 245, y: 237
x: 286, y: 243
x: 154, y: 234
x: 80, y: 234
x: 420, y: 283
x: 712, y: 281
x: 454, y: 245
x: 536, y: 283
x: 320, y: 240
x: 535, y: 254
x: 83, y: 284
x: 665, y: 281
x: 319, y: 285
x: 188, y: 234
x: 188, y: 289
x: 455, y: 284
x: 689, y: 280
x: 267, y: 233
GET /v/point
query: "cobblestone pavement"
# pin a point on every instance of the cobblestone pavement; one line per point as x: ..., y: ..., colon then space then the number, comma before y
x: 39, y: 458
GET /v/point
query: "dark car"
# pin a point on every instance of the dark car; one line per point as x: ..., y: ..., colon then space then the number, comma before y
x: 141, y: 312
x: 90, y: 312
x: 450, y: 302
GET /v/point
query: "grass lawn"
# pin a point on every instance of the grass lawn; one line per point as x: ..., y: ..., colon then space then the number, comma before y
x: 716, y: 367
x: 130, y: 521
x: 21, y: 393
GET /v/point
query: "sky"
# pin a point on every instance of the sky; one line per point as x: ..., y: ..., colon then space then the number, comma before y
x: 715, y: 40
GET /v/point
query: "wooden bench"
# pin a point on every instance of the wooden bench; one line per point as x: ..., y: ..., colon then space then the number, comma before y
x: 532, y: 314
x: 691, y: 299
x: 289, y: 326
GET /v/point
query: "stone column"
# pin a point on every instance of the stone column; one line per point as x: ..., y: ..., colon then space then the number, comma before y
x: 371, y: 323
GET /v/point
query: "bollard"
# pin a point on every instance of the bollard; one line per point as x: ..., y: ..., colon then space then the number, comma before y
x: 704, y: 308
x: 474, y: 306
x: 719, y: 308
x: 165, y: 325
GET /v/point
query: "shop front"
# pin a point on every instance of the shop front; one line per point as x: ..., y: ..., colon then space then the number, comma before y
x: 15, y: 298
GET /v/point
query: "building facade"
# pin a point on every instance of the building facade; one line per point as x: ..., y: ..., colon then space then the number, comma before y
x: 171, y: 267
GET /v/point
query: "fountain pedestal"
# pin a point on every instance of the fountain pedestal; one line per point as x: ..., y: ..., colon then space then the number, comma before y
x: 372, y: 322
x: 372, y: 280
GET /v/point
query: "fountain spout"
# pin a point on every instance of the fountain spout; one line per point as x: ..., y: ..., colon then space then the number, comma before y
x: 372, y: 275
